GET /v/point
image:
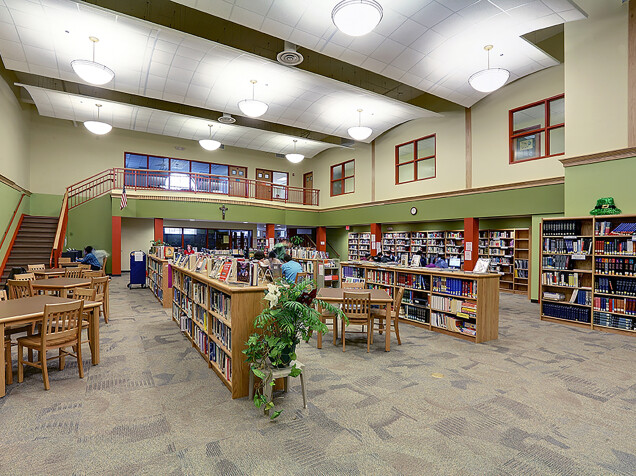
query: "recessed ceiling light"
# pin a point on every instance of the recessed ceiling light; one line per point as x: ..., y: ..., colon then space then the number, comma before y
x: 91, y: 71
x: 252, y: 107
x: 356, y: 17
x: 98, y: 127
x: 210, y: 144
x: 295, y: 158
x: 489, y: 79
x: 359, y: 132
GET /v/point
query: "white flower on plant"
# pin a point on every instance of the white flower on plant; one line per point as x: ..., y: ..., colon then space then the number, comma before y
x: 272, y: 298
x: 272, y: 288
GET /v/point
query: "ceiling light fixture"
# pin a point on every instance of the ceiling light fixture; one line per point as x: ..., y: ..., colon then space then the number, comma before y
x: 295, y: 158
x: 356, y: 17
x: 91, y: 71
x: 209, y: 143
x: 252, y: 107
x: 489, y: 79
x: 359, y: 132
x: 98, y: 127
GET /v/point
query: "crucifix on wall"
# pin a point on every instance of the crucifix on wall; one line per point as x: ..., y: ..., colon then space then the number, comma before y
x: 223, y: 210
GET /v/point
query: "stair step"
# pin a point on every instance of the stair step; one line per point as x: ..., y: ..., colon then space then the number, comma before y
x: 40, y: 218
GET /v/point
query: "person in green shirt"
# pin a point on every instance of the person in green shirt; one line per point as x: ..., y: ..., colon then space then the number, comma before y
x: 280, y: 249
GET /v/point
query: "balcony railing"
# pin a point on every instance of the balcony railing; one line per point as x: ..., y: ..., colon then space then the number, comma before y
x: 158, y: 180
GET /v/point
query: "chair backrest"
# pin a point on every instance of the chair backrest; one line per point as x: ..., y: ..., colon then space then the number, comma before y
x: 64, y: 260
x: 84, y: 266
x: 85, y: 294
x: 397, y: 299
x: 99, y: 285
x: 359, y: 285
x: 104, y: 264
x: 87, y: 273
x: 19, y: 289
x: 3, y: 295
x: 73, y: 272
x: 356, y: 305
x: 302, y: 277
x: 62, y: 321
x: 24, y: 277
x: 36, y: 267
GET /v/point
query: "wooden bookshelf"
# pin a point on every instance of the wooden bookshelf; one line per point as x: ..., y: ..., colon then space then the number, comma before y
x: 217, y: 318
x: 423, y: 286
x: 158, y: 279
x: 359, y: 245
x: 509, y: 251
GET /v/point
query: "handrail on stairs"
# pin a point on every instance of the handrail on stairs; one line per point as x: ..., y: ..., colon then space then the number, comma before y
x: 6, y: 232
x: 60, y: 233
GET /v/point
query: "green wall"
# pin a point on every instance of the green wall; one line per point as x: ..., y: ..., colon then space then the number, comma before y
x: 91, y: 224
x: 45, y: 205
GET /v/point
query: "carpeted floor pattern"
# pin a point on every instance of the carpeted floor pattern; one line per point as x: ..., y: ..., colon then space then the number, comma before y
x: 544, y: 399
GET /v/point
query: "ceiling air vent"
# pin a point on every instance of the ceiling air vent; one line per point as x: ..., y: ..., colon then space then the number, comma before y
x: 289, y: 56
x: 226, y: 119
x: 280, y: 156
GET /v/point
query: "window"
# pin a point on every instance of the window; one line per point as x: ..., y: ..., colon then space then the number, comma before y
x: 537, y: 130
x: 415, y: 160
x: 342, y: 178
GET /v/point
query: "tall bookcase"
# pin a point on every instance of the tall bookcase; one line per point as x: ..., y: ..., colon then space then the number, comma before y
x: 158, y: 279
x: 359, y: 245
x: 462, y: 305
x: 217, y: 318
x: 509, y: 253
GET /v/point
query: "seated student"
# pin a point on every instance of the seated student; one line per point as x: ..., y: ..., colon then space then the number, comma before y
x: 90, y: 258
x: 290, y: 269
x: 438, y: 262
x: 378, y: 258
x: 366, y: 257
x: 273, y: 259
x: 260, y: 256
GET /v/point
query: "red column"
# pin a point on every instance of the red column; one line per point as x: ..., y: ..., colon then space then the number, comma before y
x: 376, y: 238
x: 116, y: 247
x: 321, y: 238
x: 270, y: 233
x: 158, y: 229
x: 471, y: 243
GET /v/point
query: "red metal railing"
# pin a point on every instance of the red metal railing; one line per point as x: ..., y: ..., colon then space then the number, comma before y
x: 134, y: 179
x: 6, y: 232
x: 60, y: 233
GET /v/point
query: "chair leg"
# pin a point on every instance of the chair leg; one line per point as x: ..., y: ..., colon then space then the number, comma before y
x: 29, y: 334
x: 304, y: 389
x: 343, y: 335
x: 104, y: 313
x: 9, y: 365
x: 396, y: 326
x: 335, y: 330
x: 62, y: 358
x: 20, y: 364
x: 369, y: 335
x: 45, y: 370
x: 381, y: 326
x: 371, y: 328
x: 78, y: 352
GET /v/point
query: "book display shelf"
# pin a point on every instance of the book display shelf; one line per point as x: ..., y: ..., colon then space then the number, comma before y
x: 509, y: 253
x: 217, y: 318
x: 588, y: 272
x: 447, y: 244
x: 158, y: 279
x: 324, y: 270
x: 459, y: 304
x: 359, y: 245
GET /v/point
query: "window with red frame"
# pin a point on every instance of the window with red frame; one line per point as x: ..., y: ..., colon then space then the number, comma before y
x: 342, y: 178
x: 537, y: 130
x: 415, y: 160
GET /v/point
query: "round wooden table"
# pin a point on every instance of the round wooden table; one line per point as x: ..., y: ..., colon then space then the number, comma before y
x: 61, y: 285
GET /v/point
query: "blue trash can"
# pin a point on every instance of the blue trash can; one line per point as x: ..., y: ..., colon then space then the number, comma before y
x: 137, y: 269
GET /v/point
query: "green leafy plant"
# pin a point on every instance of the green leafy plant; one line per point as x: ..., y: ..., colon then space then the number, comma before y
x: 296, y: 240
x: 290, y: 317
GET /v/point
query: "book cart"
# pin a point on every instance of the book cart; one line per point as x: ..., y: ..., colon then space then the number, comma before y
x: 158, y: 279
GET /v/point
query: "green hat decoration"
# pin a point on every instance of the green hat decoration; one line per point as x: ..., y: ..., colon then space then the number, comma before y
x: 605, y: 206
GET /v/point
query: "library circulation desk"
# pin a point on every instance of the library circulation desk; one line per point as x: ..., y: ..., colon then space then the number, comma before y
x: 456, y: 303
x: 217, y: 318
x: 158, y: 279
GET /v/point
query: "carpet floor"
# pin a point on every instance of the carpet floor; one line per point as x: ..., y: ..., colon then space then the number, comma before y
x: 544, y: 399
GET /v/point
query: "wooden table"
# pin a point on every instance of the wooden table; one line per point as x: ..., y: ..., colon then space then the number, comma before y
x: 49, y: 273
x: 72, y: 264
x: 31, y: 309
x: 378, y: 297
x: 61, y: 285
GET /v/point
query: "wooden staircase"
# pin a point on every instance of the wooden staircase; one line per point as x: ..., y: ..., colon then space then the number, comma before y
x: 33, y: 243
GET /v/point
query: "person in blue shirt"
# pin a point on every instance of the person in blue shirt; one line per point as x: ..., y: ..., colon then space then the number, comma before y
x: 90, y: 258
x: 290, y: 269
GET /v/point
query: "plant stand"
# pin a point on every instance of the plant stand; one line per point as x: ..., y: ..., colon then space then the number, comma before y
x: 276, y: 374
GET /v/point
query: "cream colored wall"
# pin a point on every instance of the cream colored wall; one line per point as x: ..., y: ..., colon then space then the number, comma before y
x: 490, y: 125
x: 14, y: 137
x: 62, y: 154
x: 596, y: 64
x: 136, y: 234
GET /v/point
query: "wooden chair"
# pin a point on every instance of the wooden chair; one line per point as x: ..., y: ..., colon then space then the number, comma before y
x: 73, y: 272
x: 3, y: 295
x: 100, y: 285
x: 84, y: 266
x: 8, y: 371
x: 64, y: 260
x: 24, y: 277
x: 302, y: 277
x: 61, y: 328
x: 104, y: 264
x: 380, y: 314
x: 36, y: 267
x: 357, y: 308
x: 85, y: 294
x: 87, y: 273
x: 346, y: 285
x: 19, y: 289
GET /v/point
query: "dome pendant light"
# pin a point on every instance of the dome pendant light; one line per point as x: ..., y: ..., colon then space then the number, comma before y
x: 489, y: 79
x: 98, y: 127
x: 91, y: 71
x: 359, y: 132
x: 209, y: 143
x: 252, y: 107
x: 356, y: 17
x: 295, y: 158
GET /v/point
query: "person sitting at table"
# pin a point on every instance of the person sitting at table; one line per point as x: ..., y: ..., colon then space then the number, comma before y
x: 437, y: 262
x: 90, y: 258
x: 290, y: 269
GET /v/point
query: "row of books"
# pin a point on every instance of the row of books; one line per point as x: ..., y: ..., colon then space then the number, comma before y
x: 581, y: 296
x: 607, y: 228
x: 620, y: 286
x: 352, y: 272
x: 455, y: 286
x: 561, y: 227
x: 612, y: 320
x: 182, y: 300
x: 467, y: 310
x: 222, y: 331
x: 416, y: 281
x: 221, y: 303
x: 201, y: 340
x: 559, y: 278
x: 308, y: 253
x: 614, y: 247
x: 521, y: 273
x: 384, y: 277
x: 567, y: 245
x: 415, y: 297
x: 162, y: 252
x: 453, y: 324
x: 564, y: 311
x: 414, y: 313
x: 556, y: 261
x: 625, y: 306
x: 222, y: 361
x: 616, y: 266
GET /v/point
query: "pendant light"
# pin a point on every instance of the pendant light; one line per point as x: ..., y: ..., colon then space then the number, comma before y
x: 91, y: 71
x: 209, y: 143
x: 489, y: 79
x: 356, y: 17
x: 252, y: 107
x: 295, y: 158
x: 98, y: 127
x: 359, y: 132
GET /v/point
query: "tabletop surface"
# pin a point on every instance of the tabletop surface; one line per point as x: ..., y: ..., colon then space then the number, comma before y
x: 33, y: 306
x: 377, y: 295
x: 60, y: 283
x: 48, y: 271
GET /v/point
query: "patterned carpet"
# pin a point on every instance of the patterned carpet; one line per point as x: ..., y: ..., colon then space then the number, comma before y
x: 543, y: 399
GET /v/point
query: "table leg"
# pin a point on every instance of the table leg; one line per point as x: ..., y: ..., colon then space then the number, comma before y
x: 63, y: 292
x: 319, y: 336
x: 94, y: 335
x: 2, y: 362
x: 106, y: 301
x: 387, y: 345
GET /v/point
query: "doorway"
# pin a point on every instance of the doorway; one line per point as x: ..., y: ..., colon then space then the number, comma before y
x: 264, y: 184
x: 308, y: 185
x: 238, y: 184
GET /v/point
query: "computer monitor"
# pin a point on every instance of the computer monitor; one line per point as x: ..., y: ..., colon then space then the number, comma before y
x: 454, y: 263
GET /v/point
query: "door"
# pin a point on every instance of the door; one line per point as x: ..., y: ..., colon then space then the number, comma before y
x: 238, y: 182
x: 308, y: 185
x: 264, y: 184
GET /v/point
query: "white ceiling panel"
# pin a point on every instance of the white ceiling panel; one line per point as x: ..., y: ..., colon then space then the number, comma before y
x: 77, y: 108
x: 456, y: 30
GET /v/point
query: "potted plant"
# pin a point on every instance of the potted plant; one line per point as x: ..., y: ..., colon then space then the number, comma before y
x: 296, y: 240
x: 290, y: 317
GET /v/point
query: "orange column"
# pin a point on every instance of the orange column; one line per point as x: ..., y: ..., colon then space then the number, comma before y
x: 158, y: 229
x: 116, y: 247
x: 321, y: 238
x: 270, y: 233
x: 376, y: 238
x: 471, y: 243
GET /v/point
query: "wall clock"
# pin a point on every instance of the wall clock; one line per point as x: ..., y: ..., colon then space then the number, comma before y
x: 413, y: 210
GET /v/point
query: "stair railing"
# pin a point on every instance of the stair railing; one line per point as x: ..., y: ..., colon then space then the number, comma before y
x: 6, y: 232
x: 60, y: 233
